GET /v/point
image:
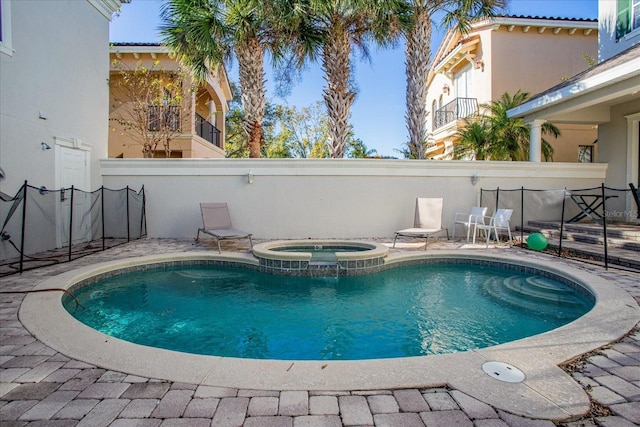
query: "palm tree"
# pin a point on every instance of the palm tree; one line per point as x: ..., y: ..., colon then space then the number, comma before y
x: 494, y: 136
x: 457, y: 13
x: 205, y: 33
x: 359, y: 150
x: 334, y: 27
x: 474, y: 140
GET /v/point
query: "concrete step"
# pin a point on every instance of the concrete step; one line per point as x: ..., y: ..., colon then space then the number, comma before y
x: 615, y: 230
x: 616, y: 256
x: 587, y: 240
x: 594, y: 239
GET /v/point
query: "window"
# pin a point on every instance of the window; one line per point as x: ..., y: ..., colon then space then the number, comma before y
x: 464, y: 83
x: 628, y: 17
x: 5, y: 27
x: 585, y: 153
x: 163, y: 118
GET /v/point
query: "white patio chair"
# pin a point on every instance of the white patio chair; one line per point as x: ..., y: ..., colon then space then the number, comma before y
x: 469, y: 220
x: 498, y: 222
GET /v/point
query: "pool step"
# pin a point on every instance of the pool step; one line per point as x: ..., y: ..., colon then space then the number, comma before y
x: 530, y: 292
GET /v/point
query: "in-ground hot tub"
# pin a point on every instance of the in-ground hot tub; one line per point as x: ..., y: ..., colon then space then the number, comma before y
x: 320, y: 257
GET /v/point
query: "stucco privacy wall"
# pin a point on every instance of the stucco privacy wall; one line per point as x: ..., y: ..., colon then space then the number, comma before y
x: 306, y: 198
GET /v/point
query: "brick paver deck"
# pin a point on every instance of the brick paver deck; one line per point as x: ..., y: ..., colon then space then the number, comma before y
x: 41, y: 387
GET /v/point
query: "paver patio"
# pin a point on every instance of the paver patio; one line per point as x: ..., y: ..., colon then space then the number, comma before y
x: 39, y: 386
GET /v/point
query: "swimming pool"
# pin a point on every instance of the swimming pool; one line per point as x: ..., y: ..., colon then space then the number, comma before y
x: 407, y: 311
x: 546, y: 391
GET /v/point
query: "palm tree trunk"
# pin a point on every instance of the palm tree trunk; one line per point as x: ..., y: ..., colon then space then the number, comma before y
x: 252, y: 80
x: 417, y: 69
x: 337, y: 95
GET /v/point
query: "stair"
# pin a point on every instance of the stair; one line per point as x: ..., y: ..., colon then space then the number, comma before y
x: 536, y: 294
x: 587, y: 239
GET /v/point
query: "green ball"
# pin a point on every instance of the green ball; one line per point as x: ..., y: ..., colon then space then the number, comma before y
x: 537, y: 242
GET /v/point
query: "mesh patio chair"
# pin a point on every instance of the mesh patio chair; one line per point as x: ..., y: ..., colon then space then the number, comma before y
x: 427, y: 221
x: 217, y: 223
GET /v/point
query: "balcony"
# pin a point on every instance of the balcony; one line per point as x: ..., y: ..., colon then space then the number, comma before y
x: 207, y: 131
x: 459, y: 108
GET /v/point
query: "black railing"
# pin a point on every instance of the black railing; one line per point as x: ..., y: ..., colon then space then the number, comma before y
x: 459, y: 108
x: 206, y: 130
x: 163, y: 117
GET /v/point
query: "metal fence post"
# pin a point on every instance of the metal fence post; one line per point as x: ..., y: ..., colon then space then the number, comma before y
x: 102, y: 214
x: 564, y: 198
x: 143, y: 214
x: 24, y: 220
x: 128, y: 232
x: 71, y: 224
x: 522, y: 217
x: 604, y: 228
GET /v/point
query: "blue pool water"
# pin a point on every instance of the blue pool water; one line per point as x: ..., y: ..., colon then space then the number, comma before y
x: 407, y: 311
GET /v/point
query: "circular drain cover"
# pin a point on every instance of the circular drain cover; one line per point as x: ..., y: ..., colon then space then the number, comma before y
x: 503, y: 372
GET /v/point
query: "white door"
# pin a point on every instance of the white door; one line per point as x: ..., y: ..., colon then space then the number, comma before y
x: 73, y: 170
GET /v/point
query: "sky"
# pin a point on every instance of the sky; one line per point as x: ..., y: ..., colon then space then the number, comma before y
x: 378, y: 113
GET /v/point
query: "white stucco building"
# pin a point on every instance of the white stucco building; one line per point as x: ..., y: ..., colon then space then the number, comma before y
x: 54, y: 108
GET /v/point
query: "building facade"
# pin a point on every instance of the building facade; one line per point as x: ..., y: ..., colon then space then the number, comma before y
x: 606, y: 95
x: 55, y: 92
x: 197, y: 121
x: 507, y: 54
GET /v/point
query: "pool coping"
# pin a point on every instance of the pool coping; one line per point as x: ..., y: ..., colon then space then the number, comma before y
x: 547, y: 392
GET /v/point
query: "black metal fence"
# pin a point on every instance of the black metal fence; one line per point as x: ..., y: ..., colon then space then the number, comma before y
x: 43, y: 227
x: 597, y: 206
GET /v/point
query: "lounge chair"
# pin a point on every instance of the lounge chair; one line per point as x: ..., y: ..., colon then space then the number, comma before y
x: 427, y: 221
x: 217, y: 223
x: 469, y: 220
x: 498, y: 222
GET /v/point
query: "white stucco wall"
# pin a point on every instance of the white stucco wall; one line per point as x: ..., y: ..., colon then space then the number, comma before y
x: 54, y: 85
x: 623, y: 152
x: 306, y: 198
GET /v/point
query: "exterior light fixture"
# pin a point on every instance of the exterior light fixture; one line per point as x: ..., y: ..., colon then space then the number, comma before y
x: 45, y: 146
x: 250, y: 177
x: 474, y: 179
x: 445, y: 89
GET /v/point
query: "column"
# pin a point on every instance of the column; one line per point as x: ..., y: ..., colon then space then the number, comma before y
x: 212, y: 112
x: 535, y: 140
